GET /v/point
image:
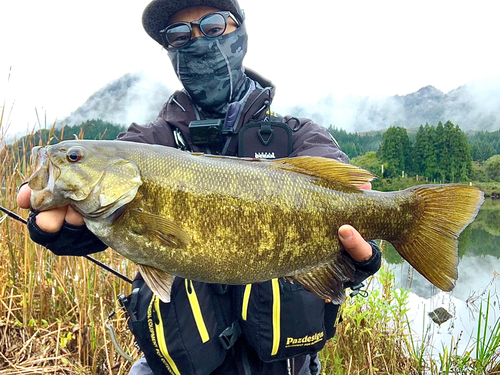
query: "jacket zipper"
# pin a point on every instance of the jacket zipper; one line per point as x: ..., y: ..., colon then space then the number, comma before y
x: 159, y: 337
x: 196, y: 309
x: 246, y: 299
x: 276, y: 316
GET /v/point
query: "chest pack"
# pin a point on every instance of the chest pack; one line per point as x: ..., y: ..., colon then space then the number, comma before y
x: 183, y: 336
x: 265, y: 140
x: 203, y: 324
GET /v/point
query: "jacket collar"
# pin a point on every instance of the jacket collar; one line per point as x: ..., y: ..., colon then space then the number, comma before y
x: 180, y: 110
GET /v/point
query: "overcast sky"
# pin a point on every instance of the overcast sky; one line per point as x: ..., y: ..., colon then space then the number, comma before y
x: 54, y: 54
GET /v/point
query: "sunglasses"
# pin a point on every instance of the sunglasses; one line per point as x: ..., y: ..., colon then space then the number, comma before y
x: 211, y: 25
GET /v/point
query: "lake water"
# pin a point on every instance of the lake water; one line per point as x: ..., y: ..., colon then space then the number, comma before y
x: 479, y: 252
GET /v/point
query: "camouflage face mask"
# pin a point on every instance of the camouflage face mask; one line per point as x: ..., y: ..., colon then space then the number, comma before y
x: 211, y: 69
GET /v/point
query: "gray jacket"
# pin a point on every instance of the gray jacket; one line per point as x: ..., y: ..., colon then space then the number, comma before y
x: 309, y: 138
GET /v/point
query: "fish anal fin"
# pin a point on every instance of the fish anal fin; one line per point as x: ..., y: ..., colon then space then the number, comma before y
x: 327, y: 281
x: 164, y: 229
x: 327, y: 169
x: 158, y: 281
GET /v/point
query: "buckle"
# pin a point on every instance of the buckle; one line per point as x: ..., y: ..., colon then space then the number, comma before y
x: 229, y: 336
x: 357, y: 290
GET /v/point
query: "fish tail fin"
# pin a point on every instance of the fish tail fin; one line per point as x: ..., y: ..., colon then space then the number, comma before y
x: 431, y: 247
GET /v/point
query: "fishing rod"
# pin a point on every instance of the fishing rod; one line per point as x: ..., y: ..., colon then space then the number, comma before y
x: 100, y: 264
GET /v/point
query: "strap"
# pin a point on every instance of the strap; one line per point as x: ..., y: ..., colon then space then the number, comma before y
x: 180, y: 142
x: 117, y: 346
x: 313, y: 364
x: 130, y: 303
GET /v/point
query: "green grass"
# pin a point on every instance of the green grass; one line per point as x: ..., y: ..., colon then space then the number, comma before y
x: 375, y: 337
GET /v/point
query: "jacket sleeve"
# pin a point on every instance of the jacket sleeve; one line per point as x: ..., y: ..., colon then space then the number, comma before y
x: 310, y: 139
x: 367, y: 268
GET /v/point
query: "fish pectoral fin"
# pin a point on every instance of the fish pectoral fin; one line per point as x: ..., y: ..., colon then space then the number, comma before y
x: 327, y: 281
x: 158, y: 281
x: 164, y: 229
x: 327, y: 169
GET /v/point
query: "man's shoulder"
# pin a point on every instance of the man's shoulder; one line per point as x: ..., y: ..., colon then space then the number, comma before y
x: 311, y: 139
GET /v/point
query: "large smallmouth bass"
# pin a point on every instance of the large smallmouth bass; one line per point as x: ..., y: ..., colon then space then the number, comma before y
x: 239, y: 221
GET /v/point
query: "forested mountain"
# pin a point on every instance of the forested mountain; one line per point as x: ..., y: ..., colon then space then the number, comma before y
x: 475, y: 106
x: 354, y: 144
x: 484, y: 144
x: 135, y: 97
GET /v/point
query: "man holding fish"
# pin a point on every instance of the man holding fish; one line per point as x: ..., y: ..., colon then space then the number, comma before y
x: 196, y: 325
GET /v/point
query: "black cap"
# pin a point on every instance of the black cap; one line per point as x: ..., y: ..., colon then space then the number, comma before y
x: 158, y: 13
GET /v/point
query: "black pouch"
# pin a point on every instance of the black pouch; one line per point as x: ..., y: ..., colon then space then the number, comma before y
x: 283, y: 320
x: 265, y: 139
x: 182, y: 336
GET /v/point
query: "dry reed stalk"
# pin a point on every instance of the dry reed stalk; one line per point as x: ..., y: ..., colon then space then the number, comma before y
x: 52, y: 321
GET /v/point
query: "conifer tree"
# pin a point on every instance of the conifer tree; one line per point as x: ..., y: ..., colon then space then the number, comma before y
x: 430, y: 153
x: 441, y: 151
x: 492, y: 168
x: 396, y: 151
x: 419, y: 151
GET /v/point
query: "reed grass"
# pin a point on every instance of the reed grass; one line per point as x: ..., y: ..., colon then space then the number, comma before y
x: 54, y: 310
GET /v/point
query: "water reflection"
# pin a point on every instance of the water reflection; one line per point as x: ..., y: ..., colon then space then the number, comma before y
x: 474, y: 274
x: 479, y: 252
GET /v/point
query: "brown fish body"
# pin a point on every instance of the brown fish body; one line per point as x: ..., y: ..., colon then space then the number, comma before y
x: 235, y: 239
x: 227, y: 220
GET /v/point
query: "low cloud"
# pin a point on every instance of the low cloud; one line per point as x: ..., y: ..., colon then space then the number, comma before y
x: 475, y: 106
x: 134, y: 97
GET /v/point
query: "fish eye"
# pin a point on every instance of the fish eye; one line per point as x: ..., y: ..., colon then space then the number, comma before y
x: 74, y: 155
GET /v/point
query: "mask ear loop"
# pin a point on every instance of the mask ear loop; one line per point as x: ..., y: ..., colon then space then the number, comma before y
x: 229, y: 71
x: 178, y: 64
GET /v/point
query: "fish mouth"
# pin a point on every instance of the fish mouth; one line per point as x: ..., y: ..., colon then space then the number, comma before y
x: 42, y: 181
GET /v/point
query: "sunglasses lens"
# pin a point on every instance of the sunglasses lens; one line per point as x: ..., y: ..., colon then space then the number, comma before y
x: 178, y: 35
x: 213, y: 25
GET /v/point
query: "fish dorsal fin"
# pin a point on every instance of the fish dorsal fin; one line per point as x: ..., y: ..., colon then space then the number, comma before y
x: 158, y: 281
x: 327, y: 281
x: 166, y: 230
x: 327, y: 169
